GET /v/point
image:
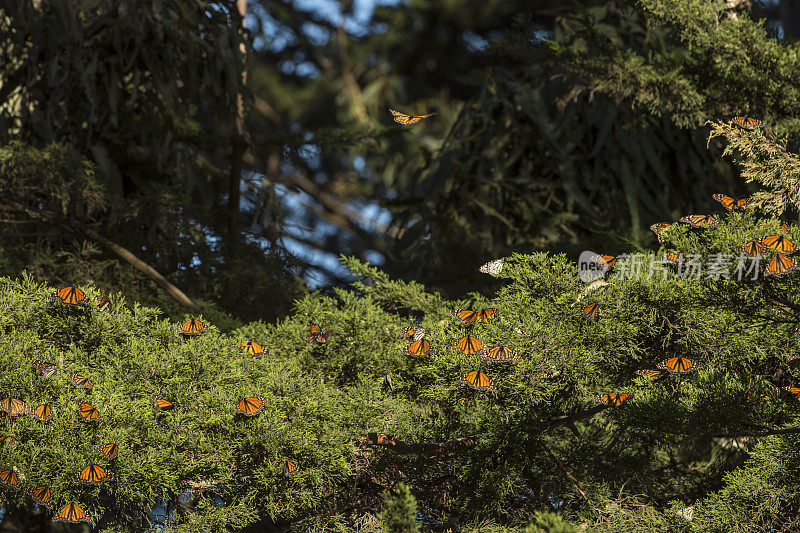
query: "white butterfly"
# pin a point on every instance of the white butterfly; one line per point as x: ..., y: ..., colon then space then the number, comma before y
x: 493, y: 267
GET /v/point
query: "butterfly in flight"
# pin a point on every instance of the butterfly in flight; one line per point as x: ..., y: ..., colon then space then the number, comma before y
x: 413, y: 333
x: 43, y: 412
x: 14, y: 407
x: 418, y: 348
x: 80, y: 381
x: 788, y: 393
x: 659, y: 228
x: 652, y: 374
x: 747, y: 123
x: 402, y: 118
x: 87, y: 412
x: 780, y: 264
x: 493, y: 268
x: 251, y: 405
x: 44, y: 368
x: 500, y: 354
x: 779, y: 243
x: 317, y: 334
x: 110, y: 450
x: 42, y: 495
x: 253, y: 349
x: 9, y: 479
x: 290, y: 468
x: 753, y: 248
x: 162, y: 404
x: 72, y: 513
x: 478, y: 381
x: 730, y: 203
x: 590, y: 311
x: 93, y: 474
x: 70, y: 295
x: 192, y: 327
x: 613, y: 400
x: 469, y: 316
x: 700, y: 221
x: 678, y: 365
x: 469, y: 345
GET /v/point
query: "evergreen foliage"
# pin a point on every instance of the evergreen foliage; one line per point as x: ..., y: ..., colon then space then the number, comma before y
x: 399, y: 516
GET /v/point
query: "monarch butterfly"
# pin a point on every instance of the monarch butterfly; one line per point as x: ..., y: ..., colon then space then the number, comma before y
x: 793, y: 361
x: 110, y: 450
x: 700, y: 221
x: 253, y: 349
x: 659, y: 228
x: 42, y: 495
x: 754, y: 248
x: 730, y: 203
x: 9, y: 478
x: 192, y: 327
x: 402, y: 118
x: 290, y: 468
x: 785, y: 227
x: 44, y: 368
x: 779, y: 243
x: 614, y: 400
x: 788, y: 393
x: 478, y: 381
x: 93, y: 474
x: 418, y: 348
x: 70, y: 295
x: 317, y: 334
x: 80, y: 381
x: 14, y: 407
x: 102, y: 301
x: 780, y: 264
x: 161, y: 403
x: 606, y: 262
x: 469, y: 346
x: 43, y: 412
x: 251, y: 405
x: 747, y: 123
x: 387, y: 381
x: 493, y: 268
x: 671, y: 257
x: 72, y: 513
x: 500, y: 354
x: 678, y: 365
x: 88, y: 413
x: 590, y: 311
x: 414, y: 333
x: 652, y: 374
x: 12, y: 442
x: 469, y: 316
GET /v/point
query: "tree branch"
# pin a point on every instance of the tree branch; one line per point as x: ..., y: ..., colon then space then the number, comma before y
x: 421, y: 448
x: 566, y: 472
x: 118, y: 250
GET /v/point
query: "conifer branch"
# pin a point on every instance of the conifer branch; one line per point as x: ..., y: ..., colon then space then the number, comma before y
x: 420, y: 448
x: 566, y: 472
x: 119, y: 251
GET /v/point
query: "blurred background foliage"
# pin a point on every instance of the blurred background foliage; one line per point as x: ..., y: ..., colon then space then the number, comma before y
x: 238, y: 148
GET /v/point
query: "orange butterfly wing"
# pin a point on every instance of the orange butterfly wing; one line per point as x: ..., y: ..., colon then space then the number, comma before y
x: 250, y: 406
x: 93, y: 474
x: 9, y: 479
x: 678, y: 365
x: 161, y: 403
x: 780, y: 264
x: 500, y: 354
x: 469, y: 345
x: 192, y: 327
x: 80, y: 381
x: 87, y: 412
x: 42, y: 495
x: 71, y: 513
x: 70, y: 295
x: 590, y: 311
x: 754, y: 248
x: 43, y: 412
x: 290, y: 468
x: 110, y: 450
x: 700, y: 221
x: 466, y: 316
x: 478, y: 381
x: 418, y: 348
x: 779, y: 243
x: 652, y: 374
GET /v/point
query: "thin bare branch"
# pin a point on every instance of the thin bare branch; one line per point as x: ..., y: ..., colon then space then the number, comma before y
x: 421, y: 448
